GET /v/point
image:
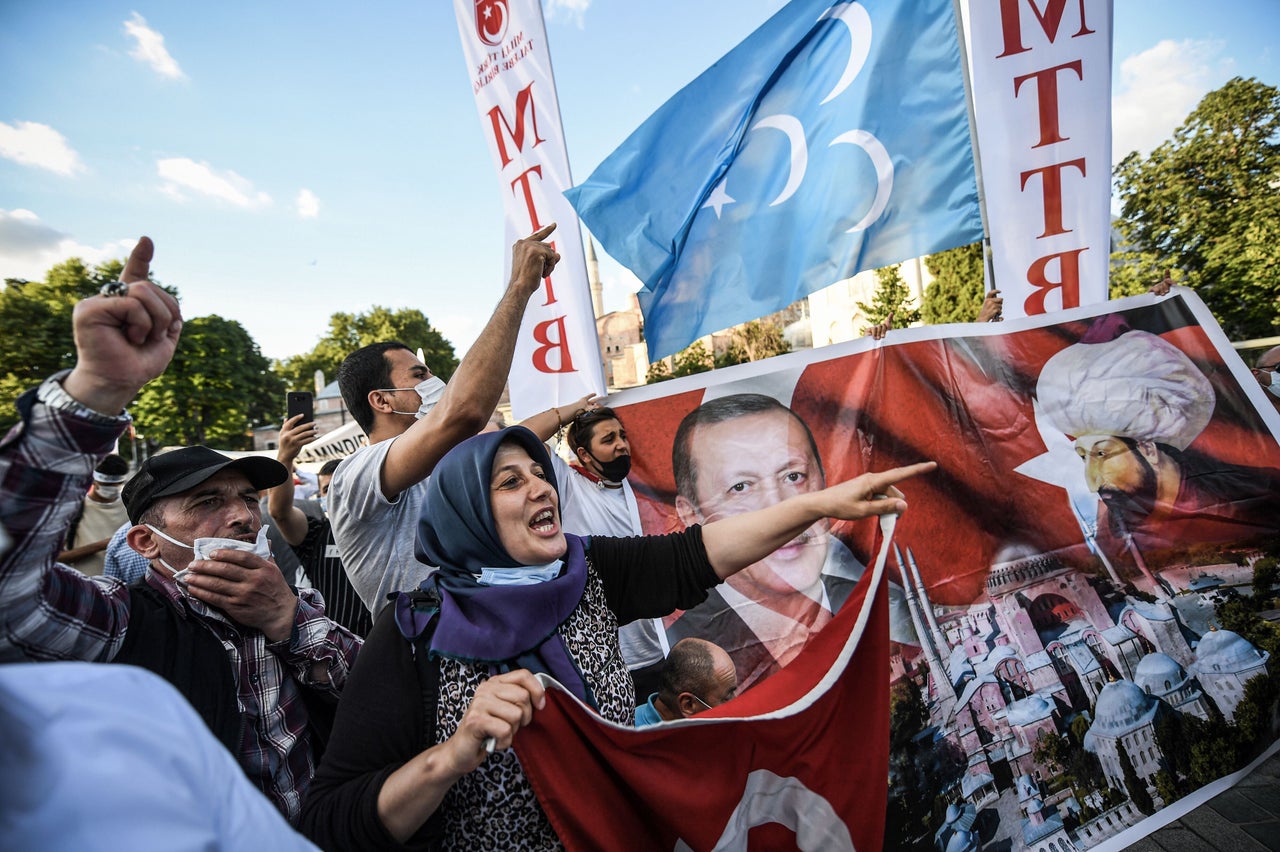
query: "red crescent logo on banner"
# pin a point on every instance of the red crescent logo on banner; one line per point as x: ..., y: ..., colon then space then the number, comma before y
x: 491, y: 21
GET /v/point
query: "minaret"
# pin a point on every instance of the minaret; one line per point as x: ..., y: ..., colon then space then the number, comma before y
x: 593, y: 279
x: 938, y: 636
x: 941, y: 676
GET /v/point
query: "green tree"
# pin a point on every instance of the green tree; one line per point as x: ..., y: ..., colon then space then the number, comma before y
x: 695, y: 359
x: 891, y: 299
x: 658, y: 372
x: 217, y: 388
x: 754, y: 341
x: 919, y: 770
x: 1266, y: 572
x: 1252, y: 716
x: 957, y: 290
x: 1167, y: 786
x: 1207, y: 199
x: 1133, y: 785
x: 348, y: 332
x: 35, y: 326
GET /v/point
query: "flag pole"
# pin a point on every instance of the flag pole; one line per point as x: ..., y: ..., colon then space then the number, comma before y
x: 988, y: 262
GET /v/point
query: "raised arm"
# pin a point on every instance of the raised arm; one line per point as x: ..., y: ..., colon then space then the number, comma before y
x: 473, y: 392
x: 546, y: 423
x: 291, y: 520
x: 736, y: 541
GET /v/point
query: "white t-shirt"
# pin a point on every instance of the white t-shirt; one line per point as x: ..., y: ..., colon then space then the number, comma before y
x: 375, y: 535
x: 589, y: 508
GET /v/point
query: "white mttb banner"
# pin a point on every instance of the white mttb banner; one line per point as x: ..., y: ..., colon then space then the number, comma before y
x: 557, y: 357
x: 1042, y: 96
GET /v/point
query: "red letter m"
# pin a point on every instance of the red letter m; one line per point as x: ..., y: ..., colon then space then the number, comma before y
x: 524, y: 101
x: 1050, y: 19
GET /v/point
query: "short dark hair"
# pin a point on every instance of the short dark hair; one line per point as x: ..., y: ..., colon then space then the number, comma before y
x: 583, y: 427
x: 329, y: 467
x: 722, y: 410
x: 112, y: 465
x: 689, y: 668
x: 363, y: 371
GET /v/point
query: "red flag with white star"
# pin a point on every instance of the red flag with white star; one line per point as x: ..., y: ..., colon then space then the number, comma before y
x: 798, y: 761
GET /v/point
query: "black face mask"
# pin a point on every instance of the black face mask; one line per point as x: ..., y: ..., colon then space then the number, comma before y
x: 615, y: 470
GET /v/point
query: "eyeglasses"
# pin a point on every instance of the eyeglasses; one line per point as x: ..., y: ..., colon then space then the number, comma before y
x: 700, y: 701
x: 392, y: 390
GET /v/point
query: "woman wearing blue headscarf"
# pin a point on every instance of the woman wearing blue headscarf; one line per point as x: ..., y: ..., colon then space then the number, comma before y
x: 419, y: 755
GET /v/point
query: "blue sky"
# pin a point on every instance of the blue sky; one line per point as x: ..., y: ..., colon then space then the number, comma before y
x: 295, y: 159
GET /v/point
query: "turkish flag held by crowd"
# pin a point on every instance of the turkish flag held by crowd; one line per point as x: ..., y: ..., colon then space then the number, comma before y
x: 798, y: 761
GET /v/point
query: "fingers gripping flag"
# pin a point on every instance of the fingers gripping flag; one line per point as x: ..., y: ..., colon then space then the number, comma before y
x: 799, y: 761
x: 835, y: 138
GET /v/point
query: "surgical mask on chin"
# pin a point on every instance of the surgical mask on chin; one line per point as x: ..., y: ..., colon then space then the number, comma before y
x: 615, y: 470
x: 202, y: 547
x: 429, y: 391
x: 324, y: 504
x: 524, y: 575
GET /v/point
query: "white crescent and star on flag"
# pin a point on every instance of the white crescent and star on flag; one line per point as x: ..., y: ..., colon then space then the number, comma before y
x: 856, y: 20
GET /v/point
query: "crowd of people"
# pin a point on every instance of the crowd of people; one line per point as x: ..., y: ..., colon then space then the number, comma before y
x: 365, y: 692
x: 372, y: 693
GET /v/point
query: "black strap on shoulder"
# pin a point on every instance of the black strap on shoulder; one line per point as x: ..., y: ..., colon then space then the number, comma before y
x: 426, y: 603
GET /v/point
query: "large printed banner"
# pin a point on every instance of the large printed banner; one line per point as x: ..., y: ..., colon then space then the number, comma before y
x: 557, y: 356
x: 1057, y: 667
x: 1042, y: 94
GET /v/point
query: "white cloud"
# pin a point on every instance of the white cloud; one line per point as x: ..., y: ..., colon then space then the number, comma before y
x: 1158, y: 88
x: 39, y: 145
x: 181, y: 173
x: 308, y: 205
x: 575, y: 10
x: 29, y: 247
x: 149, y: 48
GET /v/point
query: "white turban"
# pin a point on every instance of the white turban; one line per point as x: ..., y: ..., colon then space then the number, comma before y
x: 1136, y: 385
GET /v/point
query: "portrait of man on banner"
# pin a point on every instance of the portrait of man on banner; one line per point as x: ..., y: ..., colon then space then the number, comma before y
x: 1094, y: 469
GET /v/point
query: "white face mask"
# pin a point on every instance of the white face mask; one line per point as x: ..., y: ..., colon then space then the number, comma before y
x: 429, y: 391
x: 205, y: 546
x: 107, y: 493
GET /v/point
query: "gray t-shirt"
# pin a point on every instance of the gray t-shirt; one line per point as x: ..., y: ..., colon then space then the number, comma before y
x: 375, y: 535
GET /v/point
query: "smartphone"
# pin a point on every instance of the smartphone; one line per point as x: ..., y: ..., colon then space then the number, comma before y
x: 299, y: 402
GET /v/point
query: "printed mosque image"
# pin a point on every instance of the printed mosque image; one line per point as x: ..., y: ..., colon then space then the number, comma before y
x: 1045, y: 645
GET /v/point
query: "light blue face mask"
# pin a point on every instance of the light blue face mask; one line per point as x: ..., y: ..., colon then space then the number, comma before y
x: 524, y: 575
x: 1274, y: 387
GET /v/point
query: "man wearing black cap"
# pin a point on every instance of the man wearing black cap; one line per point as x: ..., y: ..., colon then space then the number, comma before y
x: 213, y: 615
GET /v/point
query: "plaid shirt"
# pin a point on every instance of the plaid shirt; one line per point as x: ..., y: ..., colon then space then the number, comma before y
x: 49, y: 611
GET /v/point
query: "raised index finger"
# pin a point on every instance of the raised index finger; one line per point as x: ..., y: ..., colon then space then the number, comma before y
x: 895, y: 475
x: 139, y: 263
x: 543, y: 232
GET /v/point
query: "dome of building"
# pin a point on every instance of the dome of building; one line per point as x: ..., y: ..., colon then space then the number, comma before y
x: 1225, y: 651
x: 1157, y: 673
x: 1121, y: 708
x: 961, y: 841
x: 1031, y: 709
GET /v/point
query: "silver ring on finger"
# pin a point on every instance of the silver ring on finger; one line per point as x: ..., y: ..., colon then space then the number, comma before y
x: 114, y: 288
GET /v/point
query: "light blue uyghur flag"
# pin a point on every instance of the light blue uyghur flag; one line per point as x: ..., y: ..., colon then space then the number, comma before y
x: 833, y: 139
